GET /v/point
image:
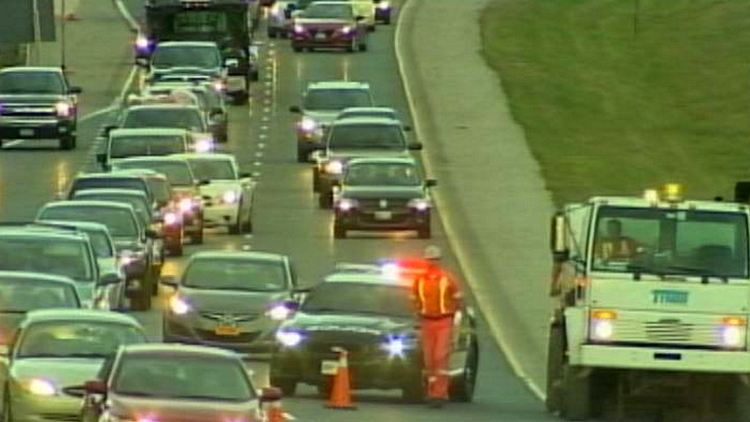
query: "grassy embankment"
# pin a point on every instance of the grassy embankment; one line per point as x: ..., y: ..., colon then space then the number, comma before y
x: 608, y: 110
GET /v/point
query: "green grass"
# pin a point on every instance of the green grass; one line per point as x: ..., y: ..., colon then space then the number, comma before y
x: 609, y: 112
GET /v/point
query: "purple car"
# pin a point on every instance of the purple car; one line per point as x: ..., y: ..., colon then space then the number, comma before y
x: 329, y: 25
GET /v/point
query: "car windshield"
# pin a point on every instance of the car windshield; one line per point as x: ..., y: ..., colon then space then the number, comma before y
x: 207, y: 57
x: 130, y: 146
x: 329, y: 11
x: 187, y: 118
x: 336, y: 99
x: 219, y: 169
x: 382, y: 174
x: 19, y: 295
x: 85, y: 339
x: 119, y: 221
x: 177, y: 172
x: 108, y: 183
x: 139, y: 204
x: 235, y: 274
x: 366, y: 136
x: 31, y: 83
x: 671, y: 241
x: 41, y: 254
x: 356, y: 298
x: 160, y: 188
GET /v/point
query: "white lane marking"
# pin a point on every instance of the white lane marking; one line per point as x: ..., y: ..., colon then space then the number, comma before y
x: 261, y: 145
x: 264, y: 128
x: 262, y: 136
x: 451, y: 234
x: 258, y: 163
x: 259, y: 154
x: 125, y: 13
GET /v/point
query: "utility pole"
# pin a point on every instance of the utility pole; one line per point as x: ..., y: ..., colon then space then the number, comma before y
x: 62, y: 34
x: 37, y: 33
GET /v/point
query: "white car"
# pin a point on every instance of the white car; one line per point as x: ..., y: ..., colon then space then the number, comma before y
x: 228, y: 195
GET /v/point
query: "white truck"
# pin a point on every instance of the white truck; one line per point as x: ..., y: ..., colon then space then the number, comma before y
x: 654, y: 293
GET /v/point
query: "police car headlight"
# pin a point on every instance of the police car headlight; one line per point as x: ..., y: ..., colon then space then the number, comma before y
x: 334, y: 167
x: 384, y: 5
x: 170, y: 219
x: 64, y: 109
x: 307, y: 124
x: 602, y: 325
x: 347, y: 204
x: 230, y: 197
x: 289, y: 338
x: 733, y: 331
x: 419, y: 204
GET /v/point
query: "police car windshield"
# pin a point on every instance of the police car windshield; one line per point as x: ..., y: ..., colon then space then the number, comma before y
x: 366, y: 136
x: 177, y: 172
x: 18, y: 295
x: 359, y: 298
x: 329, y: 11
x: 31, y: 83
x: 130, y: 146
x: 187, y: 118
x: 382, y: 174
x: 235, y: 274
x: 336, y: 99
x: 46, y: 255
x: 207, y: 57
x: 120, y: 222
x: 219, y: 169
x: 671, y: 241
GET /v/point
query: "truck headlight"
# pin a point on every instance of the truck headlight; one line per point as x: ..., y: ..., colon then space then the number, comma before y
x: 733, y: 331
x: 334, y: 167
x: 602, y: 325
x: 289, y: 338
x: 307, y: 124
x: 419, y: 204
x: 64, y: 109
x: 230, y: 197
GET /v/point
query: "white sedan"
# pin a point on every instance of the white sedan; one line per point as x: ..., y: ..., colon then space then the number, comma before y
x: 227, y: 194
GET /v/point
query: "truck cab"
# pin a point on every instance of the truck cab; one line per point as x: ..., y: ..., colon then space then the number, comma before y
x: 652, y: 291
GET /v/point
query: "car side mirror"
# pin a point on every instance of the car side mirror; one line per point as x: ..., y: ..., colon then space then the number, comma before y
x: 95, y: 387
x: 295, y: 109
x: 109, y: 279
x: 559, y: 238
x: 430, y: 183
x: 169, y: 280
x: 415, y: 146
x: 270, y: 394
x: 75, y: 90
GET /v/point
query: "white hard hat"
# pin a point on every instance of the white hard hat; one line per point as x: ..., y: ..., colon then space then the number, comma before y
x: 432, y: 252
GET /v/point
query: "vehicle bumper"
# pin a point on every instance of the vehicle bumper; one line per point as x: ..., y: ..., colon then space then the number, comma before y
x: 220, y: 215
x: 330, y: 42
x: 374, y: 371
x: 172, y: 235
x: 368, y: 220
x: 683, y: 360
x: 36, y: 128
x: 257, y: 336
x: 29, y: 408
x: 327, y: 181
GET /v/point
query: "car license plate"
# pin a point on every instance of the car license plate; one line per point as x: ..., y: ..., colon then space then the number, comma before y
x: 226, y: 330
x: 383, y: 215
x: 320, y: 36
x: 26, y: 132
x: 329, y: 367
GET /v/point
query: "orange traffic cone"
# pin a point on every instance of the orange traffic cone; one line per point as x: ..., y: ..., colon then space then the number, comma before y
x: 274, y: 411
x: 341, y: 395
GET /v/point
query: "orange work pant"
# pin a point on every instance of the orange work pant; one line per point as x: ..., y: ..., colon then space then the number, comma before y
x: 436, y: 350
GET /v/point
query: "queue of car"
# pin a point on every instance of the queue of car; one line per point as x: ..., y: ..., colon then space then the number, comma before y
x: 101, y: 247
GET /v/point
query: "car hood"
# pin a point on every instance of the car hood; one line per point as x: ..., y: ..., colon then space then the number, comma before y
x: 375, y: 325
x: 231, y: 301
x: 324, y: 118
x: 323, y: 23
x: 174, y: 410
x: 62, y: 372
x: 30, y: 98
x: 377, y: 192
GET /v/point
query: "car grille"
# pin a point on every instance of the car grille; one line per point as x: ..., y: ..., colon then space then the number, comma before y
x: 371, y: 204
x: 230, y: 318
x: 328, y: 32
x: 28, y: 110
x: 357, y: 344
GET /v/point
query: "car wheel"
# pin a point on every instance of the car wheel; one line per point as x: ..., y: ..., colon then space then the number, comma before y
x: 387, y: 21
x: 272, y: 33
x: 301, y: 155
x: 67, y: 143
x: 316, y: 179
x: 255, y: 75
x: 555, y: 361
x: 324, y: 387
x: 325, y: 200
x: 371, y: 28
x: 463, y: 388
x: 424, y: 232
x: 247, y: 226
x: 339, y: 231
x: 296, y: 48
x: 363, y: 47
x: 287, y: 386
x: 236, y: 228
x: 413, y: 390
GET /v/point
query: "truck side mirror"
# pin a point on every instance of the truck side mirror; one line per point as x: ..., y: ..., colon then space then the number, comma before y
x: 559, y: 238
x: 742, y: 192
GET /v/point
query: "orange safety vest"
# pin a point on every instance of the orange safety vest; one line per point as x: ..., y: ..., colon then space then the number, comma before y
x: 435, y: 294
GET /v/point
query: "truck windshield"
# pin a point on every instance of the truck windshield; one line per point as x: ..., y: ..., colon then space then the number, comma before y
x: 200, y: 21
x: 187, y: 56
x: 671, y: 242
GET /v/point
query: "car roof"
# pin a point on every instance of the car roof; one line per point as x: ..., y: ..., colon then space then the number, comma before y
x: 31, y: 69
x: 148, y: 132
x: 337, y: 85
x: 140, y: 173
x: 41, y: 231
x: 178, y: 84
x: 204, y: 156
x: 87, y: 203
x: 116, y: 175
x: 105, y: 191
x: 369, y: 110
x: 383, y: 160
x: 367, y: 120
x: 249, y: 255
x: 187, y: 44
x: 371, y: 278
x: 29, y: 275
x: 43, y: 315
x: 162, y: 106
x: 153, y: 159
x: 178, y: 350
x: 83, y: 225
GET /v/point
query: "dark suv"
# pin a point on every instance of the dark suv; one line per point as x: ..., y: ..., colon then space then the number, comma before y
x: 38, y: 103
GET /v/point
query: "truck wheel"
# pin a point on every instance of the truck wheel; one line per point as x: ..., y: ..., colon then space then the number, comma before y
x: 413, y: 390
x: 576, y: 394
x: 462, y: 390
x: 555, y: 361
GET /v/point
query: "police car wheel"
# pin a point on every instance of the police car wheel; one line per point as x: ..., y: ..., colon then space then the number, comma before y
x: 413, y: 391
x: 575, y: 394
x: 555, y: 360
x: 462, y: 389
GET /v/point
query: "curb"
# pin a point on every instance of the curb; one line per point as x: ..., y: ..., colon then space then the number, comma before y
x: 472, y: 278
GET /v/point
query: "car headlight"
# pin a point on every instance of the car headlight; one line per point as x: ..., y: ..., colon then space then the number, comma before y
x: 171, y: 218
x: 733, y: 331
x: 397, y: 346
x: 178, y: 305
x: 289, y: 338
x: 230, y: 197
x: 186, y: 204
x: 299, y: 28
x: 347, y: 204
x: 419, y: 204
x: 64, y: 109
x: 128, y: 257
x: 40, y: 387
x: 384, y: 5
x: 279, y: 312
x: 219, y: 86
x: 308, y: 125
x: 204, y: 145
x: 334, y: 167
x: 602, y: 326
x: 346, y: 30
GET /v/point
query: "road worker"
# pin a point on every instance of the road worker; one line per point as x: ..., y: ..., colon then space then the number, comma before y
x: 614, y: 246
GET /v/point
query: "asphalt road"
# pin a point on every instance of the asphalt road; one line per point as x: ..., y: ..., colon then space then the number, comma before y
x: 287, y: 219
